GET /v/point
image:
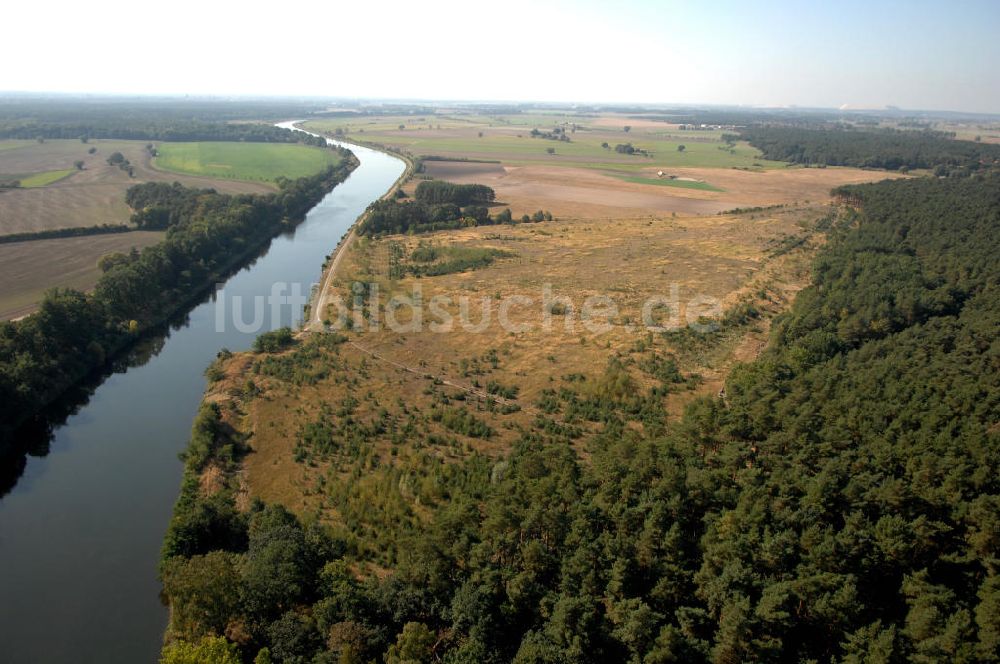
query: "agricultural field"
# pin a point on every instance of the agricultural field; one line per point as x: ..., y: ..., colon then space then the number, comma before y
x: 264, y: 162
x: 46, y: 178
x: 685, y: 183
x: 14, y: 144
x: 28, y: 269
x: 56, y: 194
x: 585, y: 193
x: 584, y: 179
x: 979, y: 131
x: 508, y: 139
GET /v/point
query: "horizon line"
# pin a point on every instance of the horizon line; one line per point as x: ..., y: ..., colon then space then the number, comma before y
x: 361, y: 99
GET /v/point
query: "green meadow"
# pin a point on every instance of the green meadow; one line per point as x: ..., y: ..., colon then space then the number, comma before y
x: 45, y: 178
x: 683, y: 184
x: 244, y: 161
x: 511, y: 142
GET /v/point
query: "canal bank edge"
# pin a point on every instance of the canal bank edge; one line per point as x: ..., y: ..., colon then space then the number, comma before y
x: 317, y: 300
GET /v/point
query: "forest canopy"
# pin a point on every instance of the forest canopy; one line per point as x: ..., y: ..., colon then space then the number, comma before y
x: 891, y: 149
x: 439, y: 205
x: 439, y: 191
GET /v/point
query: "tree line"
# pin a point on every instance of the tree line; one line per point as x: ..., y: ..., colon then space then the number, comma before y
x: 150, y: 130
x: 557, y: 134
x: 159, y: 205
x: 439, y: 205
x: 75, y: 231
x: 160, y: 120
x: 438, y: 191
x: 390, y: 217
x: 628, y: 148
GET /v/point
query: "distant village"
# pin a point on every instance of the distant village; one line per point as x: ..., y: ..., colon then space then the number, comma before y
x: 707, y: 127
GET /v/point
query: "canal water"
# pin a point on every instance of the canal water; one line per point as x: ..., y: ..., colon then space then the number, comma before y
x: 81, y: 528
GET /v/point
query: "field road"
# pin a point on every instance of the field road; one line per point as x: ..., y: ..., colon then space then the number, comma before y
x: 315, y: 323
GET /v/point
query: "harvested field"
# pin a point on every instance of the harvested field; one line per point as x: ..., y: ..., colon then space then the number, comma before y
x: 619, y: 121
x: 583, y: 193
x: 568, y: 192
x: 28, y: 269
x: 93, y: 196
x: 63, y: 205
x: 460, y: 171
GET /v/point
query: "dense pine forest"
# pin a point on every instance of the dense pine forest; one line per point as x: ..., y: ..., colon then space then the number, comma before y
x: 891, y: 149
x: 840, y: 502
x: 74, y: 333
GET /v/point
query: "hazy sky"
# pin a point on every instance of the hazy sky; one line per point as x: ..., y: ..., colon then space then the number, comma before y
x: 863, y: 54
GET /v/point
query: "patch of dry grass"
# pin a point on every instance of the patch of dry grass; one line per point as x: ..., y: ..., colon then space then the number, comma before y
x: 730, y: 258
x: 629, y: 261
